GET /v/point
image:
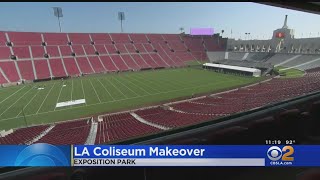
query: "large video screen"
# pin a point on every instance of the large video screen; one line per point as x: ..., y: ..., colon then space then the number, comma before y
x: 201, y: 31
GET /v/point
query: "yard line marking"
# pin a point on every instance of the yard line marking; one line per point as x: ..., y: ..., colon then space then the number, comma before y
x: 105, y: 89
x: 12, y: 94
x: 28, y: 102
x: 127, y: 87
x: 71, y: 88
x: 116, y: 88
x: 137, y: 86
x: 204, y: 85
x: 145, y: 84
x: 94, y: 90
x: 84, y: 95
x: 15, y: 101
x: 45, y: 98
x: 59, y: 95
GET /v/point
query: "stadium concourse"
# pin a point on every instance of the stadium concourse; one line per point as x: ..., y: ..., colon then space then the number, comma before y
x: 38, y: 56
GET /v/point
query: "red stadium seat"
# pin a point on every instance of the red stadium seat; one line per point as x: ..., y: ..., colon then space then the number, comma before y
x: 71, y: 66
x: 42, y: 69
x: 57, y: 68
x: 84, y: 65
x: 26, y: 69
x: 55, y: 38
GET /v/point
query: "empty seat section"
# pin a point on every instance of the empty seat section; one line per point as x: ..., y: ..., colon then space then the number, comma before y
x: 2, y: 78
x: 78, y: 50
x: 71, y: 66
x: 84, y: 65
x: 111, y: 49
x: 138, y: 38
x: 177, y: 60
x: 158, y: 60
x: 177, y: 45
x: 9, y: 68
x: 171, y: 119
x: 140, y: 61
x: 25, y: 38
x: 89, y: 49
x: 194, y: 44
x: 5, y: 53
x: 149, y: 60
x: 108, y: 63
x: 21, y: 52
x: 3, y: 39
x: 121, y: 48
x: 131, y: 48
x: 211, y: 44
x: 155, y: 38
x: 55, y: 38
x: 57, y: 68
x: 53, y: 51
x: 119, y: 62
x: 101, y: 49
x: 163, y: 55
x: 163, y: 46
x: 120, y: 38
x: 65, y: 50
x: 96, y: 64
x: 23, y: 135
x: 101, y: 38
x: 184, y: 56
x: 42, y: 69
x: 26, y: 69
x: 122, y: 126
x: 140, y: 47
x: 130, y: 62
x: 79, y: 38
x: 73, y: 132
x: 148, y: 48
x: 200, y: 55
x: 37, y: 51
x: 171, y: 37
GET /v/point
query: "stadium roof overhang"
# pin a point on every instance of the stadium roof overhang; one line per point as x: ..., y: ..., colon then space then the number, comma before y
x: 310, y: 7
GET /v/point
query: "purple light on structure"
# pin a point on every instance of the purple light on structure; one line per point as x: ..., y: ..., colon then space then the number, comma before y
x: 201, y: 31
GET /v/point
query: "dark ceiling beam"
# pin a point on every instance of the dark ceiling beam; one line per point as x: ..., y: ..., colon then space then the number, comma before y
x: 300, y: 6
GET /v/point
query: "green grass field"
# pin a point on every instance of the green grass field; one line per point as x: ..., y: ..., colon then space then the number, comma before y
x: 289, y: 73
x: 106, y: 93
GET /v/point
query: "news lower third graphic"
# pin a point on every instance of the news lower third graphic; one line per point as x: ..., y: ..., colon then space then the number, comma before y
x: 36, y: 155
x: 162, y: 155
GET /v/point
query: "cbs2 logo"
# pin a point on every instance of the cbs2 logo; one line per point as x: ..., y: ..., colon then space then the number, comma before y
x: 275, y: 153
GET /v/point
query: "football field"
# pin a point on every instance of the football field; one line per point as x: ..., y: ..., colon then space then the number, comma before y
x: 35, y: 103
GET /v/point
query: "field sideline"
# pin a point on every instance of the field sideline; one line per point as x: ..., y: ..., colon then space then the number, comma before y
x: 105, y: 93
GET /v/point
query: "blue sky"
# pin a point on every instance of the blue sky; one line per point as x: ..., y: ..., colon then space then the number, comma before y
x: 260, y: 20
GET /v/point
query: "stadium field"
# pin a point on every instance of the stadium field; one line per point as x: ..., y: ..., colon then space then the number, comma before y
x: 289, y: 73
x: 35, y: 103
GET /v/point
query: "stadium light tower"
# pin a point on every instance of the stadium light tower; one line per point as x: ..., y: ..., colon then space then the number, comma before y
x: 121, y: 18
x: 181, y: 29
x: 58, y: 13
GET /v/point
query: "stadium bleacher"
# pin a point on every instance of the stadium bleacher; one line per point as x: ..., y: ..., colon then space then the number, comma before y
x: 71, y: 66
x: 122, y: 126
x: 42, y: 69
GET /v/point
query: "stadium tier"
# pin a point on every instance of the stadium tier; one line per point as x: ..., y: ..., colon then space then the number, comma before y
x: 42, y: 56
x: 121, y: 126
x: 70, y: 54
